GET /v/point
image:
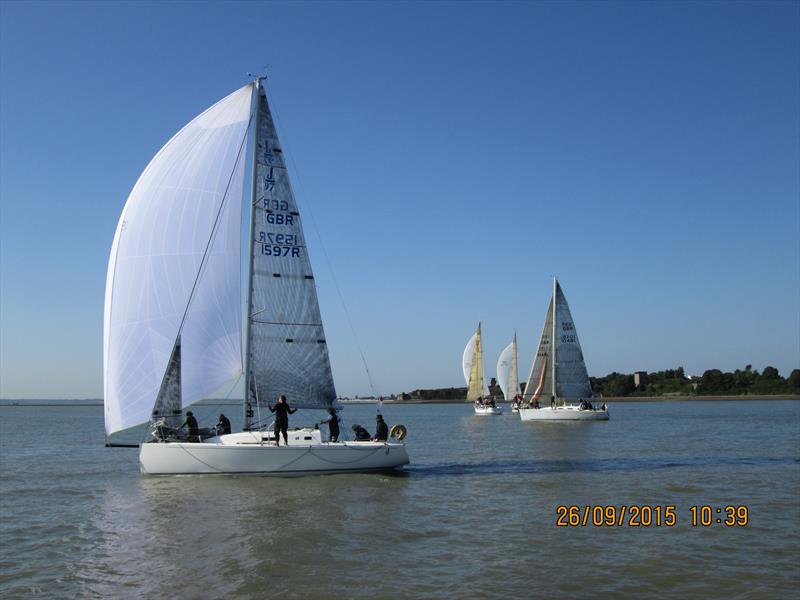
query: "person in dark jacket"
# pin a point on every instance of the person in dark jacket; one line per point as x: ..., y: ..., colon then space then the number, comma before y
x: 282, y: 412
x: 382, y: 430
x: 191, y: 424
x: 362, y: 435
x: 224, y: 425
x: 333, y: 425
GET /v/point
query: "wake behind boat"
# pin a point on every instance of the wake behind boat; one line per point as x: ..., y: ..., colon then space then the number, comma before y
x: 173, y: 319
x: 559, y: 372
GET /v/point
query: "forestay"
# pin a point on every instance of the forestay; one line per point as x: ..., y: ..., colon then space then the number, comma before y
x: 288, y: 352
x: 507, y: 371
x: 572, y: 378
x: 174, y: 270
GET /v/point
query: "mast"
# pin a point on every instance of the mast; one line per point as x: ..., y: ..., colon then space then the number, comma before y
x: 256, y: 107
x: 554, y: 339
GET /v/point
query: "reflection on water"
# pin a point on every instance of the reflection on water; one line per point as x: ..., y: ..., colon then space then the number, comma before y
x: 472, y: 516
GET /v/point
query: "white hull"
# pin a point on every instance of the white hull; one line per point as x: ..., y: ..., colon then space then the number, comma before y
x: 488, y: 410
x: 562, y: 413
x: 255, y: 453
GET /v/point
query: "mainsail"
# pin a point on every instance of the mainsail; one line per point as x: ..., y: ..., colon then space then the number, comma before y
x: 472, y: 364
x: 172, y: 322
x: 287, y: 352
x: 507, y: 371
x: 540, y: 380
x: 572, y: 379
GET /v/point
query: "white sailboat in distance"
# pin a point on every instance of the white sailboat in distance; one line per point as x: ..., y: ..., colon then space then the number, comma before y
x: 507, y: 376
x: 472, y: 364
x: 173, y: 310
x: 558, y: 387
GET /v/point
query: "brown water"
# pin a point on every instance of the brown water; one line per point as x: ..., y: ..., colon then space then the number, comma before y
x: 473, y: 516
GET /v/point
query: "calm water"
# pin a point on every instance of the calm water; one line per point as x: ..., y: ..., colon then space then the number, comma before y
x: 474, y: 516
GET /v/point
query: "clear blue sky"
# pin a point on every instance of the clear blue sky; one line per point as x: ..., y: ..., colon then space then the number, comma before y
x: 454, y: 156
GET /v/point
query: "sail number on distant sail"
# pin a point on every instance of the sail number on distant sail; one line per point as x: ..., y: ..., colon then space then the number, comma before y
x: 568, y: 338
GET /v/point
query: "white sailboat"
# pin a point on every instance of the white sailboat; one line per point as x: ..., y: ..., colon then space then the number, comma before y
x: 173, y: 311
x: 472, y: 364
x: 507, y: 375
x: 558, y: 387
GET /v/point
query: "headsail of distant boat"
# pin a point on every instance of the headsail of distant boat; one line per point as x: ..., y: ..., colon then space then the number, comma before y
x: 507, y: 376
x: 472, y: 364
x: 540, y: 380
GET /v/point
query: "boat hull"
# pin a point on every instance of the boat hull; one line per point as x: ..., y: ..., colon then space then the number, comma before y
x: 562, y: 413
x: 488, y: 410
x: 179, y: 458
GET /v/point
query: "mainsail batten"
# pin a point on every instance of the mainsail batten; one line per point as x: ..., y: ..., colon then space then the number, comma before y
x: 287, y: 350
x: 175, y: 259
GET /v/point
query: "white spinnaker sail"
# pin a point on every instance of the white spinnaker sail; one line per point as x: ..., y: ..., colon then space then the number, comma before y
x: 287, y: 346
x: 540, y: 380
x: 507, y: 371
x: 175, y: 259
x: 572, y: 379
x: 469, y: 355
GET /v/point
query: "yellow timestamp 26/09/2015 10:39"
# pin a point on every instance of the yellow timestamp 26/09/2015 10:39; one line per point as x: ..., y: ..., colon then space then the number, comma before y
x: 644, y: 515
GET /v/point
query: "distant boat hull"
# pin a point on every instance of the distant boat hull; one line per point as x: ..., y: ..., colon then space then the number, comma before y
x: 488, y: 410
x: 254, y: 453
x: 562, y: 413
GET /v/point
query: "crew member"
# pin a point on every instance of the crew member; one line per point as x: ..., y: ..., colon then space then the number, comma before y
x: 224, y: 425
x: 191, y: 424
x: 381, y: 429
x: 333, y: 425
x: 282, y: 412
x: 362, y: 435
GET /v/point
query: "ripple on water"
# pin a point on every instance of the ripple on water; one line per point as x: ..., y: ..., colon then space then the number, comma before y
x: 468, y: 519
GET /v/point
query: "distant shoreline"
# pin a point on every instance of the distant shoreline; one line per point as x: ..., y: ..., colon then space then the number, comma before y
x: 608, y: 399
x: 623, y: 399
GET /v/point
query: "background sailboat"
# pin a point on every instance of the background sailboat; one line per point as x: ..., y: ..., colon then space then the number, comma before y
x: 558, y: 386
x: 507, y: 376
x: 173, y: 320
x: 472, y: 364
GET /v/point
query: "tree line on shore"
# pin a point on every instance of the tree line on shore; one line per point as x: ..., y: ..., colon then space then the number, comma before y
x: 671, y: 382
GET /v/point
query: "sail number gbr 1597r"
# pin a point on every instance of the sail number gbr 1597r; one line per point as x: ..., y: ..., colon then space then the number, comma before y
x: 279, y: 244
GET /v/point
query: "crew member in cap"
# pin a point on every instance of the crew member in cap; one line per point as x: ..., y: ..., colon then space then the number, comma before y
x: 381, y: 429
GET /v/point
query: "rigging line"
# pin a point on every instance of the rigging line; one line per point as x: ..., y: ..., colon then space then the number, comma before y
x: 327, y: 259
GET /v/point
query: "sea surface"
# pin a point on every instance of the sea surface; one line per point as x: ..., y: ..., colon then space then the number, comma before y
x: 473, y: 516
